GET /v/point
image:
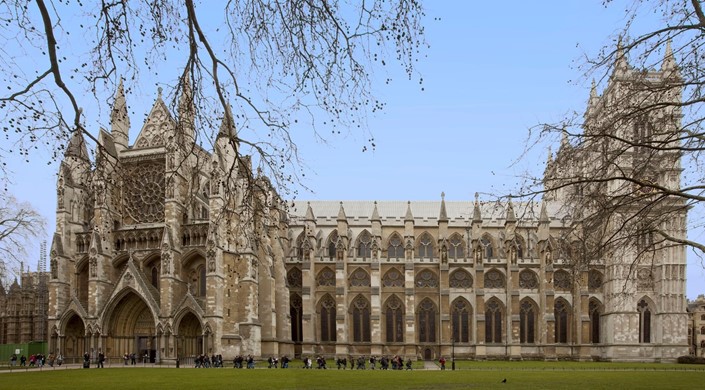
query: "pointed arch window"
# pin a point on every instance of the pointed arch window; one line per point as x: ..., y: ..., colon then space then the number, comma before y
x: 494, y: 279
x: 493, y: 322
x: 361, y: 320
x: 487, y: 247
x: 300, y: 247
x: 594, y: 309
x: 201, y: 271
x: 332, y: 248
x: 425, y: 246
x: 294, y: 278
x: 460, y: 279
x: 455, y: 247
x: 644, y: 321
x: 527, y: 322
x: 359, y: 278
x: 393, y: 278
x: 562, y: 280
x: 394, y: 317
x: 561, y: 313
x: 328, y: 332
x: 395, y: 250
x: 364, y: 243
x: 427, y: 321
x: 519, y: 247
x: 295, y: 311
x: 426, y: 279
x: 528, y: 280
x: 594, y: 280
x: 155, y: 277
x: 326, y: 278
x: 461, y: 321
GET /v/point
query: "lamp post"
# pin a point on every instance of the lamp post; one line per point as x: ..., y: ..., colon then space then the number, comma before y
x: 452, y: 354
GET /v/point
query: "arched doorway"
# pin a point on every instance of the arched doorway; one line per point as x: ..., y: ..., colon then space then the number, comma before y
x: 190, y: 336
x: 74, y: 339
x: 132, y: 329
x: 428, y: 354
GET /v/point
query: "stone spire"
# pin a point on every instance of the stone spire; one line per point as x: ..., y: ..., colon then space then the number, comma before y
x: 510, y: 217
x: 341, y: 213
x: 476, y: 214
x: 669, y: 66
x: 309, y: 213
x: 443, y: 215
x: 375, y: 214
x: 621, y: 64
x: 408, y: 216
x: 227, y: 127
x: 77, y: 147
x: 187, y: 109
x: 565, y: 143
x: 543, y: 216
x: 543, y: 222
x: 120, y: 120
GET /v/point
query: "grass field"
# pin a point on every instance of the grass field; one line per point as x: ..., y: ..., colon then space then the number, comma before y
x: 478, y: 375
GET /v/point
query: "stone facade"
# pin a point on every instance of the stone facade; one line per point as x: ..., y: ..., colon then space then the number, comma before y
x: 167, y: 249
x: 23, y: 309
x: 696, y: 326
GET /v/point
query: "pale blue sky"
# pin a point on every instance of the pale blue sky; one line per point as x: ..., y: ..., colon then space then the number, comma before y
x: 493, y: 71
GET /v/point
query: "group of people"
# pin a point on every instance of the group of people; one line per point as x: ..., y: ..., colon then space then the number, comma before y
x: 396, y: 362
x: 239, y: 359
x: 35, y: 360
x: 274, y: 362
x: 214, y: 361
x: 99, y: 363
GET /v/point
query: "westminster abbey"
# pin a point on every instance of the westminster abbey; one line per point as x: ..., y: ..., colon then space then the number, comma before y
x: 166, y: 249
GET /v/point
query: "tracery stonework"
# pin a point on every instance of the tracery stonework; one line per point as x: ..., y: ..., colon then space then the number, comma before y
x: 460, y: 279
x: 326, y: 278
x: 294, y: 278
x: 359, y: 278
x: 144, y: 191
x: 528, y: 280
x: 393, y: 278
x: 426, y: 279
x: 494, y: 279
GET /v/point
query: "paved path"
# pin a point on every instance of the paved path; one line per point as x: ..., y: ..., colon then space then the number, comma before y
x: 430, y: 365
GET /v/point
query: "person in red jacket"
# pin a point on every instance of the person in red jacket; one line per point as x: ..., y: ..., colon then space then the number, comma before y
x: 442, y: 360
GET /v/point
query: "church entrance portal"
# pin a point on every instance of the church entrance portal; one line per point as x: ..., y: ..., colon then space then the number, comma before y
x: 190, y: 337
x: 132, y: 330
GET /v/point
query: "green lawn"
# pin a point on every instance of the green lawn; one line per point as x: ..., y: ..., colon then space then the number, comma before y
x: 479, y: 375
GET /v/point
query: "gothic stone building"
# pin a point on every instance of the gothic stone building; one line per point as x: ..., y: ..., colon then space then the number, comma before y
x: 147, y: 258
x: 23, y: 309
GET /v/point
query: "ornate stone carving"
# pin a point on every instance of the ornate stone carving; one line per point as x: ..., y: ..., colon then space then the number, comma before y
x: 166, y: 263
x: 359, y: 278
x: 494, y: 279
x: 562, y: 280
x: 460, y: 279
x: 393, y: 278
x: 326, y: 278
x: 645, y: 280
x: 254, y: 264
x: 594, y: 280
x: 128, y: 278
x: 294, y: 278
x: 528, y: 280
x: 54, y: 265
x: 143, y: 191
x: 426, y: 279
x: 93, y: 262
